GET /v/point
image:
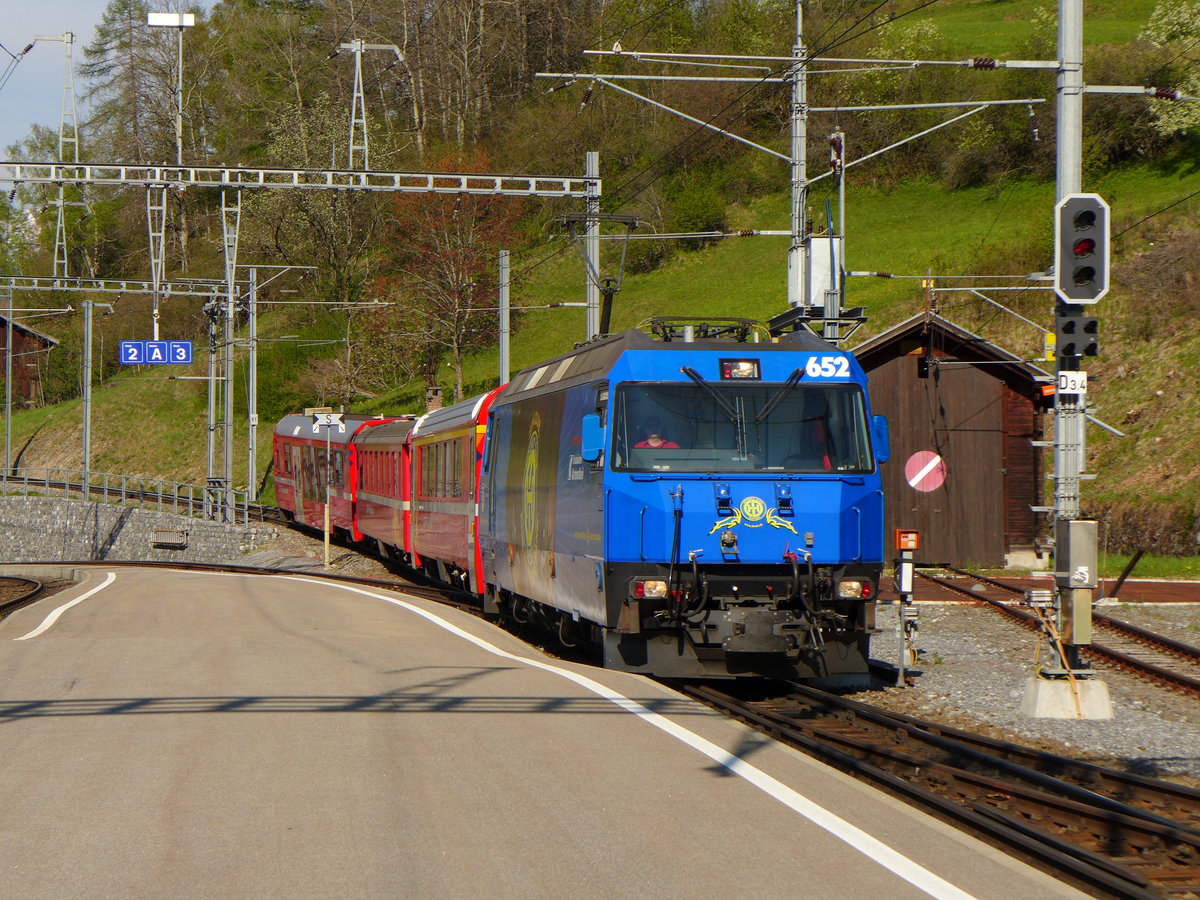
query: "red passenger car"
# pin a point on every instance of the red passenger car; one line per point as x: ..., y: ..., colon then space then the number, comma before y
x: 306, y: 457
x: 382, y: 511
x: 447, y: 450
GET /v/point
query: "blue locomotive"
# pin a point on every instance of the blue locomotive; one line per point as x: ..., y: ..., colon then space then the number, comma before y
x: 697, y: 502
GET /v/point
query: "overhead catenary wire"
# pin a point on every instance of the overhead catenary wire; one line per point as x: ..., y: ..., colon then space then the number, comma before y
x: 630, y: 185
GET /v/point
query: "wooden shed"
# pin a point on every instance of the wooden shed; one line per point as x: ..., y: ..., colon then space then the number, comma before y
x: 29, y: 351
x: 964, y: 416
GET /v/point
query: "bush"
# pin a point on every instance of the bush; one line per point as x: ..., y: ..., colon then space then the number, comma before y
x: 698, y: 207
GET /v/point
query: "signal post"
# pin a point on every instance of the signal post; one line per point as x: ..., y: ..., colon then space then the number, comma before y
x: 1081, y: 270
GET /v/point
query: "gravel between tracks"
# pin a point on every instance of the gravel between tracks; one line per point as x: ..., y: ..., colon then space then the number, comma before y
x: 971, y: 675
x: 973, y: 666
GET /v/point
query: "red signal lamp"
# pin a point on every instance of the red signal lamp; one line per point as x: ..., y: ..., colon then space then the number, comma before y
x: 1084, y: 247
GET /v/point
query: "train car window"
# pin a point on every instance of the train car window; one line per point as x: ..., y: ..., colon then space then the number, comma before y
x: 309, y: 474
x: 337, y: 469
x: 465, y: 459
x: 424, y: 458
x: 743, y: 426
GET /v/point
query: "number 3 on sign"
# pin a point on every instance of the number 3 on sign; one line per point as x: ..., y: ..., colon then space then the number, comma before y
x: 1072, y: 382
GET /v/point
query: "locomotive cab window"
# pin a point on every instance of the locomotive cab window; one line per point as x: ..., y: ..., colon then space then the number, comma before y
x: 729, y: 426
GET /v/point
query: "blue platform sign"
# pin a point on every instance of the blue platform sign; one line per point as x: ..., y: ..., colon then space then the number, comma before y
x: 156, y: 353
x: 180, y: 352
x: 133, y: 353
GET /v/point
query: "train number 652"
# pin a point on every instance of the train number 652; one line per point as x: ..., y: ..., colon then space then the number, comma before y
x: 827, y: 367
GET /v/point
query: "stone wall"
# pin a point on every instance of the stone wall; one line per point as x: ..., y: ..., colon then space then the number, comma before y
x: 47, y: 529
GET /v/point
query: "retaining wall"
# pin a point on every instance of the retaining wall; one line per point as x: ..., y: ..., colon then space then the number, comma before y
x: 50, y: 529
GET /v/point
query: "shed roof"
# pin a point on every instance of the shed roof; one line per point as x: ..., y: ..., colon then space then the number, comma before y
x: 37, y: 335
x: 928, y: 329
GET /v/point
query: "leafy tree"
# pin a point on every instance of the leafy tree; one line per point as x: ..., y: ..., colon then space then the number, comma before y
x: 130, y: 102
x: 444, y: 249
x: 1174, y: 26
x: 333, y: 230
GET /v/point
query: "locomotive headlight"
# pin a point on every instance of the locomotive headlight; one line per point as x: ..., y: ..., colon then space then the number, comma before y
x: 650, y: 590
x: 852, y: 589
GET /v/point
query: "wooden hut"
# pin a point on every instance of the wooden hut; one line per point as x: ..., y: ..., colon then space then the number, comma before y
x: 29, y: 351
x: 964, y: 416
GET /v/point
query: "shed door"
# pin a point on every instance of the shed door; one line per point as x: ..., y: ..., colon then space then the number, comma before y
x: 956, y: 413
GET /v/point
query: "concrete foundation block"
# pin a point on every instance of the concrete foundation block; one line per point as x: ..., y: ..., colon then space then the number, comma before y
x: 1055, y: 698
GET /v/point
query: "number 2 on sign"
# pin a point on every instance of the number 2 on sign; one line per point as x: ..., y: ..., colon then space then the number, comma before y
x: 1072, y: 382
x: 827, y: 367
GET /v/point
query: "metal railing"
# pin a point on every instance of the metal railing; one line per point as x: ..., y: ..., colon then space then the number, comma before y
x: 212, y: 502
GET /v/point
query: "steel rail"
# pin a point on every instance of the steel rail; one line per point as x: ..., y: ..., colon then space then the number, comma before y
x: 33, y: 589
x: 1111, y: 789
x: 971, y: 799
x: 1098, y: 650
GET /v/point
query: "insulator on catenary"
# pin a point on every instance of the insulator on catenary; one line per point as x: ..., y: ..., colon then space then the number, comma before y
x: 587, y: 95
x: 983, y: 62
x: 1166, y: 94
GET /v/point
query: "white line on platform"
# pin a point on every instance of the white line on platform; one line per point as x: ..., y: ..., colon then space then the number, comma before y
x: 53, y: 617
x: 871, y: 847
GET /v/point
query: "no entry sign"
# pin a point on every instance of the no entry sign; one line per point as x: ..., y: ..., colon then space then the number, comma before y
x: 925, y: 471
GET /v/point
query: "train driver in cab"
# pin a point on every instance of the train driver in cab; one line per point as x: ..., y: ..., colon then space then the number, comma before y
x: 655, y: 439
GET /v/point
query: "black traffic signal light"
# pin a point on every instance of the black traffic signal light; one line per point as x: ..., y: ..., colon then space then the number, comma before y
x: 1081, y: 248
x: 1076, y: 336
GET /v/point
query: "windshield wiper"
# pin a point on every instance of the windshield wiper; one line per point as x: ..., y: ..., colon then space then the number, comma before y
x: 734, y: 415
x: 778, y: 396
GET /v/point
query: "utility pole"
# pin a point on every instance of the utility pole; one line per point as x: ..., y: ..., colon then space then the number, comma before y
x: 798, y: 251
x: 505, y: 315
x: 252, y: 389
x: 6, y: 295
x: 88, y: 320
x: 156, y: 196
x: 231, y: 217
x: 591, y: 243
x: 360, y: 145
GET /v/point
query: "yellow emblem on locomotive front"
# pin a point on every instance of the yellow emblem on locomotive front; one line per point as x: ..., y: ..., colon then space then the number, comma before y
x: 753, y: 509
x: 750, y: 512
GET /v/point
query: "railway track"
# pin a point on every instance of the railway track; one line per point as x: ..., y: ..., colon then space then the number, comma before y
x: 17, y: 592
x: 1120, y: 834
x: 1154, y: 656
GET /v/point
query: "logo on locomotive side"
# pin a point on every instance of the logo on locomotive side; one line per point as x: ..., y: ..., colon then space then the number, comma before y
x: 529, y: 511
x: 749, y: 513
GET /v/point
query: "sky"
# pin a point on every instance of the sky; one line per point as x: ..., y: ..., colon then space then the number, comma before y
x: 34, y: 89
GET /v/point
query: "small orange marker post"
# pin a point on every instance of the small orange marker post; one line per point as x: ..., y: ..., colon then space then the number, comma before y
x: 907, y: 540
